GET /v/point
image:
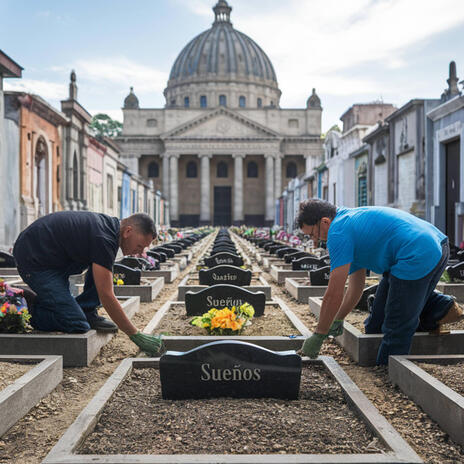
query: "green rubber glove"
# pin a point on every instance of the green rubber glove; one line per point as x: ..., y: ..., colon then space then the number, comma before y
x: 312, y: 345
x: 336, y: 329
x: 150, y: 344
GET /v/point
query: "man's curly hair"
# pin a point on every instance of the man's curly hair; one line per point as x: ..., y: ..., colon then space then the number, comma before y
x: 313, y: 210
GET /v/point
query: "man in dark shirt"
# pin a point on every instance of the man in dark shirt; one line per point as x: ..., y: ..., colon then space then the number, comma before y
x: 65, y: 243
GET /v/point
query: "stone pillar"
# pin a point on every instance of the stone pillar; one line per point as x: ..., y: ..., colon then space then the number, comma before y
x: 205, y: 216
x: 309, y: 164
x: 174, y: 189
x: 238, y: 189
x: 278, y: 176
x: 166, y: 192
x: 269, y: 218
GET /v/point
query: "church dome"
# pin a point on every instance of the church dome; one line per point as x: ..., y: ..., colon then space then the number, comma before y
x: 228, y: 58
x: 131, y: 102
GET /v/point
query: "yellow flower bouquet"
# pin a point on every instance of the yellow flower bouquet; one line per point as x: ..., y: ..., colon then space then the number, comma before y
x: 225, y: 321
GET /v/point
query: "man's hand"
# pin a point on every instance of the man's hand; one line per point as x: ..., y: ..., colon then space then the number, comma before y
x: 336, y: 329
x: 312, y: 345
x: 150, y: 344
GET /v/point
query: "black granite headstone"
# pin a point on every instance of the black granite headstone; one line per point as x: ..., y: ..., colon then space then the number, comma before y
x: 223, y: 249
x: 177, y: 248
x: 273, y: 249
x: 320, y: 276
x: 362, y: 304
x: 128, y: 275
x: 307, y: 263
x: 284, y: 251
x: 170, y: 253
x: 293, y: 256
x: 225, y: 274
x: 268, y: 245
x: 263, y: 243
x: 224, y: 258
x: 460, y: 255
x: 161, y: 257
x: 456, y: 272
x: 7, y: 260
x: 231, y: 369
x: 222, y: 296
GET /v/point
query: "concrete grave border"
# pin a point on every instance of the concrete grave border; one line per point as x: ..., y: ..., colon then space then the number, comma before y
x: 168, y: 271
x: 363, y: 348
x: 276, y: 343
x: 454, y: 289
x: 146, y: 293
x: 441, y: 403
x: 183, y: 288
x: 300, y: 292
x: 78, y: 350
x: 65, y: 450
x: 280, y: 273
x: 18, y: 398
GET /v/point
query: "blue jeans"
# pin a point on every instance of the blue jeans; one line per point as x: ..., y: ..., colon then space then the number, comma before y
x: 402, y: 307
x: 55, y: 309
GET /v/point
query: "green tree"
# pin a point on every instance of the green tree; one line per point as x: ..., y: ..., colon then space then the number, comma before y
x: 103, y: 126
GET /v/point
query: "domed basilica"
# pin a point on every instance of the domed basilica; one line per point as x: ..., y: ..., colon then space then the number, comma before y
x: 222, y: 149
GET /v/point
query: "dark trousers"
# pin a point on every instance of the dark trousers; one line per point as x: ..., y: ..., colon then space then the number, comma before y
x: 55, y: 309
x: 402, y: 307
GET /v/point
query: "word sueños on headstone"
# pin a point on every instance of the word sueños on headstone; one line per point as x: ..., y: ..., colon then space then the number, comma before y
x: 230, y: 369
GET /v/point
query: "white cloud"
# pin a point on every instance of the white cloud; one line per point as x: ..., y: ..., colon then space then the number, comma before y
x: 45, y: 89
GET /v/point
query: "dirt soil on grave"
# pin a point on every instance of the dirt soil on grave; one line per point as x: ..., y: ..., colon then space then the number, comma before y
x: 32, y: 438
x: 274, y: 322
x: 11, y: 371
x: 452, y: 375
x: 152, y: 425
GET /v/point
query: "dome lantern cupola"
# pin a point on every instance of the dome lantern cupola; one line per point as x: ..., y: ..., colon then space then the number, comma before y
x: 131, y: 102
x: 222, y: 12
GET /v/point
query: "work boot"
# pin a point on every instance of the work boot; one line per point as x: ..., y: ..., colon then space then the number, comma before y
x: 454, y: 314
x: 101, y: 324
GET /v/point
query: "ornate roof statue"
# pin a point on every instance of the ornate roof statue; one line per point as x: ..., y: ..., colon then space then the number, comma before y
x: 131, y: 102
x: 73, y: 86
x: 452, y: 81
x: 313, y: 101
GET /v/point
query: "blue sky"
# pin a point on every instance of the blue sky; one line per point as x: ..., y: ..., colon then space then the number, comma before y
x: 351, y: 51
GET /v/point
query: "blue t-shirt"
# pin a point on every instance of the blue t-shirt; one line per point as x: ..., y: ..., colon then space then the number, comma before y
x: 384, y: 239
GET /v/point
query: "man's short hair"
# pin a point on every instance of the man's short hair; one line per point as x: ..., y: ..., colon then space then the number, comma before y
x: 313, y: 210
x: 142, y: 222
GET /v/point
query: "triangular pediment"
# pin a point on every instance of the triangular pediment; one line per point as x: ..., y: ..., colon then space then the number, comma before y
x: 221, y: 123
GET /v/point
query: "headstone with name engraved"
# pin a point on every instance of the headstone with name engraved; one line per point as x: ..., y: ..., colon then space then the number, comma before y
x: 456, y: 272
x: 128, y: 275
x: 130, y: 261
x: 177, y: 248
x: 225, y: 274
x: 223, y: 296
x: 307, y: 263
x: 273, y: 249
x: 230, y: 369
x: 362, y: 304
x: 224, y: 258
x: 269, y: 245
x: 223, y: 249
x: 320, y: 276
x: 7, y: 259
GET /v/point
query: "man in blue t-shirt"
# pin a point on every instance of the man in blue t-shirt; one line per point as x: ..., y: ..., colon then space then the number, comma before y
x: 65, y: 243
x: 410, y: 253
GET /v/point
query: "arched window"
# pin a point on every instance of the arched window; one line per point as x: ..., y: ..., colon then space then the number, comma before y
x: 260, y: 102
x: 153, y: 169
x: 222, y: 169
x: 186, y: 102
x: 252, y: 169
x: 191, y: 169
x: 291, y: 170
x: 242, y: 101
x: 203, y: 101
x: 222, y: 100
x: 75, y: 178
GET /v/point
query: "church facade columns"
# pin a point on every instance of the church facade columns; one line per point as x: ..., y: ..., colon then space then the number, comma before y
x: 238, y: 217
x: 166, y: 191
x: 269, y: 216
x: 278, y: 176
x: 205, y: 214
x: 174, y: 187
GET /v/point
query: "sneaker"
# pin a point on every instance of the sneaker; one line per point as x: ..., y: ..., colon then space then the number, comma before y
x: 101, y: 324
x: 454, y: 314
